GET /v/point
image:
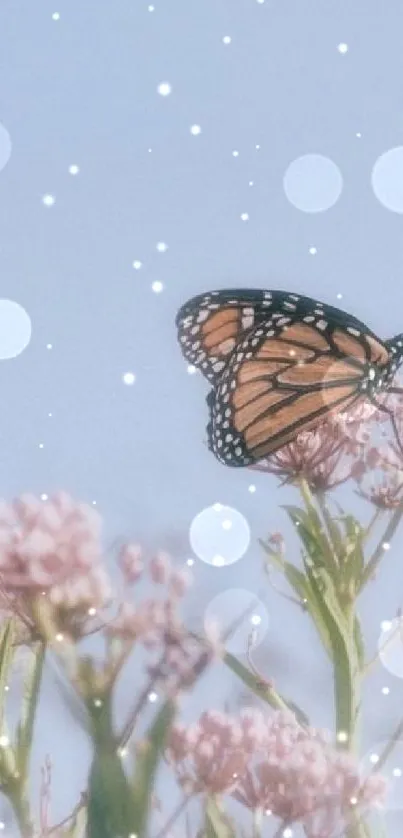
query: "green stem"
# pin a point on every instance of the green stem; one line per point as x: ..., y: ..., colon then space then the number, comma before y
x: 19, y: 801
x: 379, y: 552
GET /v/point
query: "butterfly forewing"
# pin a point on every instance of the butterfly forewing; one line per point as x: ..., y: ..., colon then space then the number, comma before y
x: 210, y: 326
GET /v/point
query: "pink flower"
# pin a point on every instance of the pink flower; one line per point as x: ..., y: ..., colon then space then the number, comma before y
x: 269, y: 762
x: 52, y: 548
x: 131, y: 564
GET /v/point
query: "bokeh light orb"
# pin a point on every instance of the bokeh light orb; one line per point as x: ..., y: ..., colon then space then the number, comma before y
x: 390, y: 646
x: 237, y: 606
x: 219, y: 535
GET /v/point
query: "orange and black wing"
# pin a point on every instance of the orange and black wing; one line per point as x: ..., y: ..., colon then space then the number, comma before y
x: 211, y: 325
x: 285, y: 377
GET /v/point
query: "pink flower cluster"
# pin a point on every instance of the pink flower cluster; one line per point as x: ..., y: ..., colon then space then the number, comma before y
x: 271, y: 763
x: 52, y: 548
x: 332, y: 453
x: 156, y: 623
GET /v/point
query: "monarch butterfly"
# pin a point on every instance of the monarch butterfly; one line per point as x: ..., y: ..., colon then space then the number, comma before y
x: 279, y: 363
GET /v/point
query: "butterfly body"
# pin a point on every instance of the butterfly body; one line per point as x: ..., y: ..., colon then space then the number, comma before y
x: 278, y: 363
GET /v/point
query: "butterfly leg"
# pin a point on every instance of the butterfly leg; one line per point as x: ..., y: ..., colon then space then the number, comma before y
x: 390, y: 413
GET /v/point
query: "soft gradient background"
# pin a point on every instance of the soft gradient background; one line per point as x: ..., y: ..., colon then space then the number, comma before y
x: 79, y: 87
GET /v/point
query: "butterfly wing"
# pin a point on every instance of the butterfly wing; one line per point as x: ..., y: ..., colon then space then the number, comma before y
x: 285, y: 377
x: 211, y: 325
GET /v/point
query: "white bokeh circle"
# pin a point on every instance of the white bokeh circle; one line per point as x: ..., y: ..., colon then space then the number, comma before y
x: 219, y: 535
x: 391, y: 770
x: 5, y: 146
x: 390, y: 646
x: 387, y: 179
x: 313, y: 183
x: 237, y: 605
x: 15, y: 329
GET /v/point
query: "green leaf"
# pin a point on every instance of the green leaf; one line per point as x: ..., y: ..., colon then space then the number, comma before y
x: 310, y: 531
x: 217, y: 824
x: 300, y: 584
x: 111, y: 808
x: 263, y: 690
x: 25, y: 728
x: 6, y: 657
x: 353, y: 555
x: 343, y: 649
x: 359, y: 644
x: 147, y: 764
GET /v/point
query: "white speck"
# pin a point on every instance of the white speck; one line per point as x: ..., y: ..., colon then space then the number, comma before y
x: 48, y: 200
x: 287, y: 832
x: 129, y: 378
x: 252, y: 488
x: 74, y: 169
x: 339, y: 296
x: 2, y: 824
x: 4, y: 741
x: 342, y: 736
x: 44, y: 497
x: 358, y: 134
x: 235, y: 153
x: 162, y: 247
x: 385, y: 690
x: 191, y: 369
x: 397, y: 772
x: 343, y: 48
x: 149, y: 150
x: 386, y: 545
x: 374, y: 758
x: 218, y: 561
x: 151, y: 8
x: 49, y: 346
x: 313, y: 251
x: 195, y: 130
x: 50, y: 415
x: 152, y: 697
x: 164, y: 89
x: 226, y: 39
x: 157, y: 287
x: 386, y: 625
x: 217, y: 507
x: 257, y: 147
x: 260, y: 2
x: 91, y: 612
x: 190, y: 562
x: 251, y: 183
x: 256, y: 619
x: 97, y: 702
x: 94, y: 503
x: 41, y: 445
x: 137, y: 264
x: 245, y: 216
x: 55, y: 16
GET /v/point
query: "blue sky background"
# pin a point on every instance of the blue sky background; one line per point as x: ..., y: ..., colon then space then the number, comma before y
x: 299, y: 106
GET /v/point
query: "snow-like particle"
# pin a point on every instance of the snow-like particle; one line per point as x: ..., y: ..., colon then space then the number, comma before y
x: 164, y: 89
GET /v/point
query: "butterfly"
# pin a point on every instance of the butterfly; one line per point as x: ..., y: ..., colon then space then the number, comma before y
x: 279, y: 363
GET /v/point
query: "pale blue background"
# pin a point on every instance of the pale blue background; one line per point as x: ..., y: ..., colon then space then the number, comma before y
x: 83, y: 90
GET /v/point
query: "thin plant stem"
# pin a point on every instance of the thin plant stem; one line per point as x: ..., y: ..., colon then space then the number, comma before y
x: 379, y: 551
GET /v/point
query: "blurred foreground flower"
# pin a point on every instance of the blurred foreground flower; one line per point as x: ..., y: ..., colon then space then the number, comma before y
x: 270, y: 763
x: 52, y: 549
